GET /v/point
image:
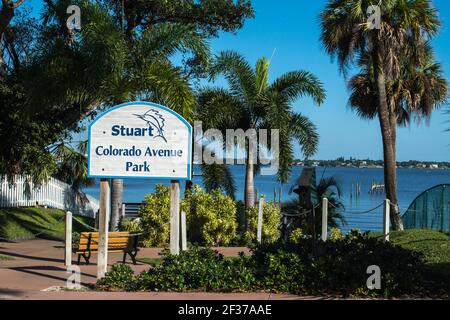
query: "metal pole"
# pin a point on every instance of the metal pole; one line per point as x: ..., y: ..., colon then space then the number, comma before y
x: 324, y: 219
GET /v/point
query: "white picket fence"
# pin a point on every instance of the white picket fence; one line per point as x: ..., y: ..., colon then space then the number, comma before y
x: 52, y: 194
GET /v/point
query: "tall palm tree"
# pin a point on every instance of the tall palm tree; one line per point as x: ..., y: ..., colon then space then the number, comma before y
x: 347, y: 34
x: 415, y: 93
x: 251, y: 102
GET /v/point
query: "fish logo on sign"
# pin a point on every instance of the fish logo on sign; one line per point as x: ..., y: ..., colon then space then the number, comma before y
x: 155, y: 121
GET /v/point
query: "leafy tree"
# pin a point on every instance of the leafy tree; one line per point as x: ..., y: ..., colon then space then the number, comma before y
x: 406, y: 26
x: 55, y: 77
x: 251, y: 102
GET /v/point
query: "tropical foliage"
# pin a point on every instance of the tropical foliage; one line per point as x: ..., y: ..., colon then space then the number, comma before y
x: 52, y: 77
x: 155, y: 213
x: 211, y: 217
x: 282, y: 267
x: 300, y: 217
x: 271, y: 222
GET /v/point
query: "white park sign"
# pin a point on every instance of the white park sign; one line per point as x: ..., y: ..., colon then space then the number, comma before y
x: 140, y: 140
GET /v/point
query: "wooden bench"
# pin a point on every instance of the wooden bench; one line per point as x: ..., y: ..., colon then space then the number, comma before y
x: 117, y: 242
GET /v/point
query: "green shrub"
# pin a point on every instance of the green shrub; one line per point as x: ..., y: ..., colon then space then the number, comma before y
x: 198, y: 268
x: 155, y: 215
x: 130, y: 225
x: 211, y: 217
x: 121, y: 277
x: 271, y: 221
x: 339, y: 266
x: 296, y: 235
x: 336, y: 234
x: 75, y: 239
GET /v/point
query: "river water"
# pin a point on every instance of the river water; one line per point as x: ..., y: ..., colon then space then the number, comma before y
x: 411, y: 182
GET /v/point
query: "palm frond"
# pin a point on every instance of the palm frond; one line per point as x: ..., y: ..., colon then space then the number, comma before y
x: 296, y: 84
x: 218, y: 176
x: 239, y: 74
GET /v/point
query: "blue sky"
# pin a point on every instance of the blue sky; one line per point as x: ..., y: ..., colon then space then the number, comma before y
x: 292, y: 29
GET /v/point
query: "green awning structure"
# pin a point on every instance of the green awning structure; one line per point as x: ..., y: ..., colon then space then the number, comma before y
x: 430, y: 210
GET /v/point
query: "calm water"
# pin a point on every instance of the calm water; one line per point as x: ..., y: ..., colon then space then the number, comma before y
x: 411, y: 182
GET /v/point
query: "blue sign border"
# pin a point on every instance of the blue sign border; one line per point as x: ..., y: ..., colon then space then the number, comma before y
x: 146, y: 104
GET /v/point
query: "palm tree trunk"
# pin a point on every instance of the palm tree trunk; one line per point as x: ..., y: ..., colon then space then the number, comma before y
x: 396, y: 219
x: 249, y: 180
x: 116, y: 203
x: 390, y: 172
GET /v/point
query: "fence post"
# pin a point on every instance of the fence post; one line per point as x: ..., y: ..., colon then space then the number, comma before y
x: 68, y: 238
x: 260, y: 219
x: 324, y: 219
x: 183, y: 231
x: 386, y: 219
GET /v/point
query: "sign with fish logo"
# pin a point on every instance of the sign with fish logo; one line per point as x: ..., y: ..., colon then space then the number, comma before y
x: 140, y: 140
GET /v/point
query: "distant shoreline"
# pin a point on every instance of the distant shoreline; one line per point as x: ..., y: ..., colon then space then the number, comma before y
x: 372, y: 167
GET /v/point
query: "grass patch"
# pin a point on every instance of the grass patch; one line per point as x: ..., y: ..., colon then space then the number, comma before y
x: 25, y: 223
x: 152, y: 261
x: 5, y: 258
x: 435, y: 248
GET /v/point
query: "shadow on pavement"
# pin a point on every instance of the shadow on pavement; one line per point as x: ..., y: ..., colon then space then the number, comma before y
x: 18, y: 255
x: 34, y: 270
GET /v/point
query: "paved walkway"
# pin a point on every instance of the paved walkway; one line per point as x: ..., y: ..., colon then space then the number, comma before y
x: 39, y: 264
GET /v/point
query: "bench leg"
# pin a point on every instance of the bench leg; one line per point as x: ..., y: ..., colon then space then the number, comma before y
x: 133, y: 257
x: 86, y: 258
x: 124, y: 257
x: 79, y: 259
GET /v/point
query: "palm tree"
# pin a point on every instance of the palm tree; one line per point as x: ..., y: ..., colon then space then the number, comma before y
x: 416, y: 92
x: 121, y: 68
x: 301, y: 217
x: 405, y: 26
x: 116, y: 203
x: 251, y: 102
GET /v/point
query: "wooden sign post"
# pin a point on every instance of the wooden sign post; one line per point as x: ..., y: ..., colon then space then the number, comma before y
x: 102, y: 263
x: 139, y: 140
x: 175, y: 217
